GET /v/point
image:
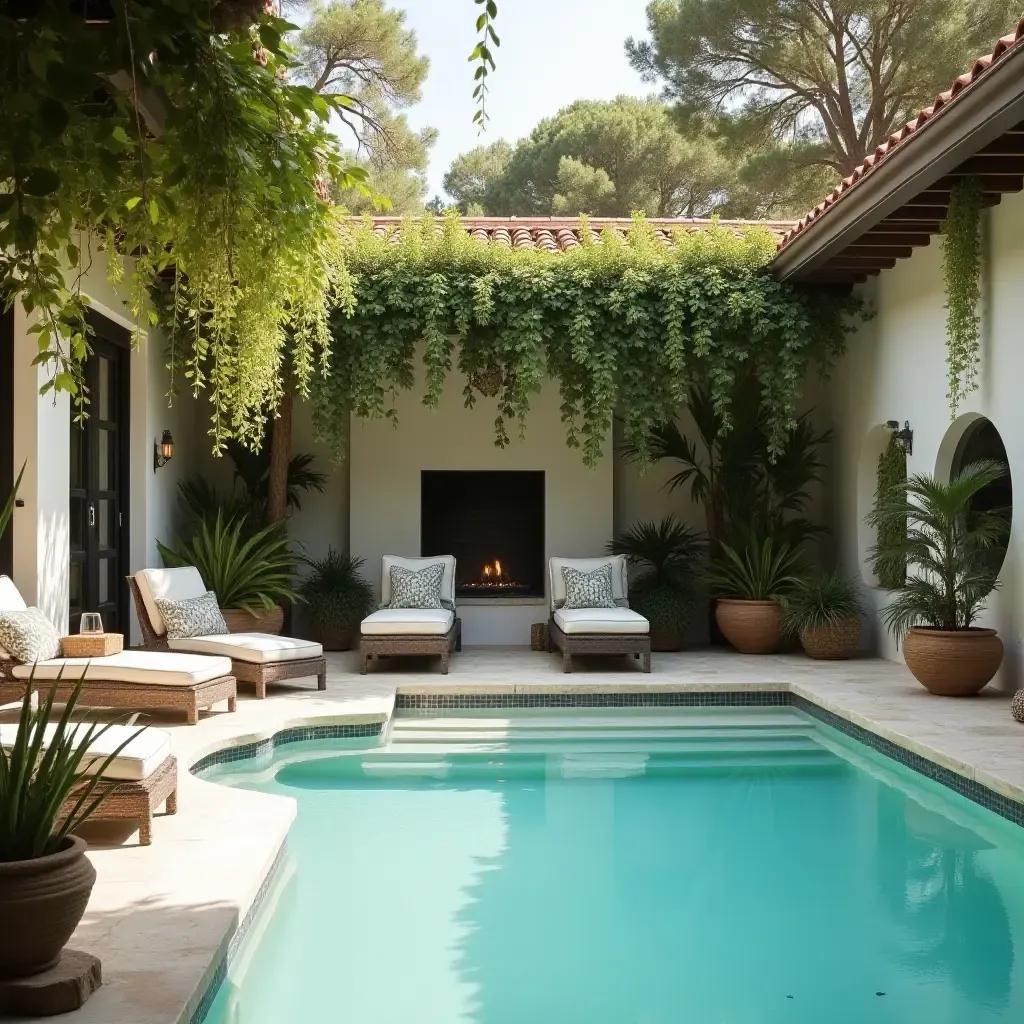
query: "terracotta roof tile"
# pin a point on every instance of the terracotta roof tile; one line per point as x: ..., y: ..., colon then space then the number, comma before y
x: 911, y: 128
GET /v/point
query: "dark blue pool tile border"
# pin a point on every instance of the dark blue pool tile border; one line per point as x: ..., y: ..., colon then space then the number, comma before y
x: 299, y: 734
x: 644, y: 699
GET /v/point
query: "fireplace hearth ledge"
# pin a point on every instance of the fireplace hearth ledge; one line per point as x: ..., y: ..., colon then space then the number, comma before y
x: 488, y: 602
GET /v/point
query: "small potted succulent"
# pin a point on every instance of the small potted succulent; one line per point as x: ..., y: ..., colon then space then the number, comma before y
x: 752, y: 584
x: 337, y: 598
x: 665, y: 556
x: 952, y: 547
x: 824, y: 612
x: 49, y: 786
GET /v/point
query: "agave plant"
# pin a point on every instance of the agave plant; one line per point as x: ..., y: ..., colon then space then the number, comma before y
x: 762, y: 569
x: 825, y: 600
x: 952, y: 549
x: 36, y: 783
x: 336, y: 593
x: 246, y: 569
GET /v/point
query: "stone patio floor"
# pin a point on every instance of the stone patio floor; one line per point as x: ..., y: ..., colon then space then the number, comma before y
x: 161, y: 916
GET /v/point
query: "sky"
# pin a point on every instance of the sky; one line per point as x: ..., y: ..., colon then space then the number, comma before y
x: 552, y: 52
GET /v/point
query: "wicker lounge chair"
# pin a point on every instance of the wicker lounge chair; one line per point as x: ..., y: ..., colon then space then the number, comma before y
x: 398, y: 631
x: 617, y: 630
x: 141, y: 778
x: 257, y: 658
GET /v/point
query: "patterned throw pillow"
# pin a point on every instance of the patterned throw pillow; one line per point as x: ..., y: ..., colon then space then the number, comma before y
x: 29, y: 635
x: 416, y: 589
x: 588, y: 589
x: 192, y: 616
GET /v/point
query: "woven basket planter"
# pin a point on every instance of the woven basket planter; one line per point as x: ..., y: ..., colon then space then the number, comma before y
x: 665, y: 638
x: 833, y: 642
x: 337, y: 637
x: 539, y: 636
x: 752, y: 627
x: 955, y: 663
x: 265, y: 620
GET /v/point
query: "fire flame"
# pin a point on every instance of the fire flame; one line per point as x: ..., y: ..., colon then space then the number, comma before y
x: 493, y: 570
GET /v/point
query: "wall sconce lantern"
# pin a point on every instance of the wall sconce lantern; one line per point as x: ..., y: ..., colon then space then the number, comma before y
x: 904, y: 436
x: 163, y: 450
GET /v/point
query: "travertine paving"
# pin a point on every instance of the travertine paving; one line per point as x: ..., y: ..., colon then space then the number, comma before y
x: 161, y: 916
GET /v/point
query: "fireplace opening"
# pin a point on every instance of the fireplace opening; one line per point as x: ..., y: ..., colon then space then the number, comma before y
x: 492, y: 522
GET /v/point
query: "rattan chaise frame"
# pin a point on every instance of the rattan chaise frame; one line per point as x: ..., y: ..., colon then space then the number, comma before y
x: 637, y: 644
x: 373, y: 645
x: 257, y: 673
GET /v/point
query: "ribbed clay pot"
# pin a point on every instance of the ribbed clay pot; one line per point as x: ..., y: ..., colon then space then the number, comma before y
x: 955, y: 663
x: 41, y: 903
x: 752, y: 627
x: 834, y: 642
x: 264, y: 620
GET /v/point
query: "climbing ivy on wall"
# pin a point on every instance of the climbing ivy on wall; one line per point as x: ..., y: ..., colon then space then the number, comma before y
x: 961, y: 268
x: 624, y: 326
x: 892, y: 477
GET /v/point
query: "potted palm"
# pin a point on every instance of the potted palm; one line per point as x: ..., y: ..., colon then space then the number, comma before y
x: 751, y: 584
x: 952, y: 549
x: 249, y: 570
x: 665, y: 556
x: 49, y: 786
x: 337, y: 598
x: 824, y: 611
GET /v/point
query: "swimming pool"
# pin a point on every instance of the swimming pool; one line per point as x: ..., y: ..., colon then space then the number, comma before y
x: 692, y: 866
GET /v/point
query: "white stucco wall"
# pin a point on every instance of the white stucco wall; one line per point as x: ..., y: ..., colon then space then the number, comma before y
x: 895, y: 369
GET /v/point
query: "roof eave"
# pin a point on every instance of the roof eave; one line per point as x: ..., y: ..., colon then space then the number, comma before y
x: 980, y: 114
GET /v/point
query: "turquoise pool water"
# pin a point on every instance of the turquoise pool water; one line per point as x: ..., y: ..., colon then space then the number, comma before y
x: 729, y: 867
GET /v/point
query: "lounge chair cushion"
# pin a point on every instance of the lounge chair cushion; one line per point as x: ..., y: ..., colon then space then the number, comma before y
x: 258, y: 648
x: 10, y: 599
x: 408, y: 622
x: 556, y: 584
x: 161, y: 668
x: 415, y: 565
x: 601, y: 620
x: 167, y: 585
x: 139, y: 759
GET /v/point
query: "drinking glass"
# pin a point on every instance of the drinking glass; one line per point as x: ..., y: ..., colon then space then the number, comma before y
x: 92, y: 623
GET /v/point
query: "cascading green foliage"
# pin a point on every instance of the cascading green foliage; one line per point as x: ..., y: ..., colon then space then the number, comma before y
x: 625, y: 326
x: 892, y: 479
x: 961, y: 268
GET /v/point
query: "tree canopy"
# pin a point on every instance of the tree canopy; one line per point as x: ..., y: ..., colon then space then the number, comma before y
x: 473, y: 174
x: 830, y: 81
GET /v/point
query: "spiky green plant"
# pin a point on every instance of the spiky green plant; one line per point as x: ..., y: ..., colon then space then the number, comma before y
x: 244, y: 568
x: 953, y: 550
x: 824, y: 600
x: 35, y: 783
x: 8, y: 508
x: 336, y: 593
x: 761, y: 570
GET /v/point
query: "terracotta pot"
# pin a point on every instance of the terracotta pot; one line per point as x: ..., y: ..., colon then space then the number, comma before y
x: 665, y: 638
x: 337, y: 637
x: 752, y: 627
x: 264, y: 620
x: 835, y: 642
x: 956, y: 663
x: 41, y: 903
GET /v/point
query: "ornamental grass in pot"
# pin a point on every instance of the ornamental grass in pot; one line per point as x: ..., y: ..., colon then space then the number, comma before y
x: 250, y: 570
x: 45, y: 795
x: 824, y: 612
x: 337, y: 598
x: 952, y: 548
x: 751, y: 584
x: 665, y: 556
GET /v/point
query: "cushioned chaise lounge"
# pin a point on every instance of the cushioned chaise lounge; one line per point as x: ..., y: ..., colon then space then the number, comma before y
x: 143, y: 776
x: 396, y: 631
x: 607, y: 630
x: 257, y: 658
x: 135, y: 680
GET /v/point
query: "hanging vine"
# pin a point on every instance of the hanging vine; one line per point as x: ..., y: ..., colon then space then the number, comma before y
x: 623, y: 325
x: 961, y: 268
x: 892, y: 477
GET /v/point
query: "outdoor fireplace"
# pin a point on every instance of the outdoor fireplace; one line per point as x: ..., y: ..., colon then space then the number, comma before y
x: 493, y: 522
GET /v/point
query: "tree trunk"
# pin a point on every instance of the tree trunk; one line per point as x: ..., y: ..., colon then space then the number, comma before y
x: 280, y: 456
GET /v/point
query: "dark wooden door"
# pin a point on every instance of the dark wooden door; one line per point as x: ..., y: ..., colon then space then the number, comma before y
x: 99, y: 501
x: 6, y: 432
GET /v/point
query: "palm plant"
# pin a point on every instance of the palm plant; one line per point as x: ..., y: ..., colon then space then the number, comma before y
x: 762, y: 569
x: 252, y: 470
x: 337, y: 596
x: 951, y: 548
x: 245, y: 569
x: 37, y: 784
x: 826, y: 600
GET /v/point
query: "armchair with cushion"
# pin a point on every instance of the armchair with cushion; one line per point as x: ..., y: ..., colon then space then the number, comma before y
x: 417, y: 611
x: 590, y: 613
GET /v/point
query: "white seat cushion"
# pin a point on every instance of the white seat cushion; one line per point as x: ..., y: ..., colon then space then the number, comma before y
x: 167, y: 585
x: 139, y: 759
x: 556, y: 582
x: 408, y: 622
x: 601, y: 620
x: 259, y: 648
x: 156, y: 667
x: 10, y: 597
